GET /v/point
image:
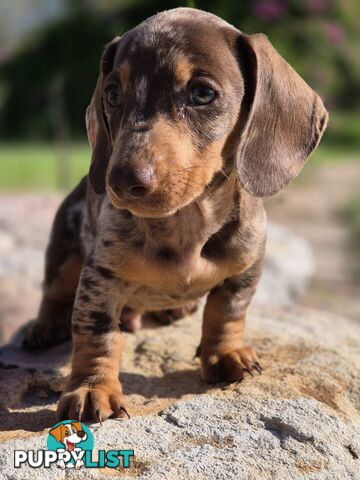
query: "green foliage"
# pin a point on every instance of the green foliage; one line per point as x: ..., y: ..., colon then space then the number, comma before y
x: 344, y: 129
x: 33, y: 166
x: 49, y: 81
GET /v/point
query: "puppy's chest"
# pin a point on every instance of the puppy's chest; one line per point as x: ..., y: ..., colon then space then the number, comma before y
x: 170, y: 283
x: 184, y: 272
x: 169, y: 261
x: 170, y: 276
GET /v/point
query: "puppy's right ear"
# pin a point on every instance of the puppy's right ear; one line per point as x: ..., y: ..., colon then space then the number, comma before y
x: 285, y: 118
x: 96, y: 123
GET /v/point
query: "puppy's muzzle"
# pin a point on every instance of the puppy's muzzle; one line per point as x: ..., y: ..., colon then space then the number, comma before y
x: 131, y: 183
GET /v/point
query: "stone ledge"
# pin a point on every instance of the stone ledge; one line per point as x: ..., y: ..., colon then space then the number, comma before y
x: 298, y: 420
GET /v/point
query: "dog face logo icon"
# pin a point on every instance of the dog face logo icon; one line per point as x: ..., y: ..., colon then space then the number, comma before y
x: 70, y: 444
x: 70, y: 439
x: 69, y: 434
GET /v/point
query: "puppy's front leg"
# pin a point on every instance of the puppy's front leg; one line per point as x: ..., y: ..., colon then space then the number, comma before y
x: 224, y: 356
x: 93, y: 390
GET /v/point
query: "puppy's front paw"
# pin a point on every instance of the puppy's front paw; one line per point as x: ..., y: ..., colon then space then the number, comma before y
x: 229, y: 366
x: 92, y: 401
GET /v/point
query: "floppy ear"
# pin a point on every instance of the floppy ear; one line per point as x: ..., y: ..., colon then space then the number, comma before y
x: 285, y: 118
x: 57, y: 433
x: 96, y: 124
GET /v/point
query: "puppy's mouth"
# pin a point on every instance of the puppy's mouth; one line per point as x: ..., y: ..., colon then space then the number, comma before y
x: 70, y: 446
x: 159, y: 203
x: 150, y: 207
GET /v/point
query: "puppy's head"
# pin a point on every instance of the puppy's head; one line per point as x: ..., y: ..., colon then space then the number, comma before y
x: 69, y: 434
x: 185, y: 97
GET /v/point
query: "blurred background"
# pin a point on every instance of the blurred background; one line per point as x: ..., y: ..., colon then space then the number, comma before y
x: 49, y: 55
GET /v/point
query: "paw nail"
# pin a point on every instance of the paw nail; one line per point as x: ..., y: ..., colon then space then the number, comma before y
x: 99, y: 417
x: 125, y: 411
x: 257, y: 367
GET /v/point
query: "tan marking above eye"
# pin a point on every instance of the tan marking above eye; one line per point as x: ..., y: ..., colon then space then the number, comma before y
x: 124, y: 74
x: 183, y: 69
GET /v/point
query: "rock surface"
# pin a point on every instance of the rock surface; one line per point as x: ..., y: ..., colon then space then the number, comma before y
x: 25, y: 221
x: 298, y: 420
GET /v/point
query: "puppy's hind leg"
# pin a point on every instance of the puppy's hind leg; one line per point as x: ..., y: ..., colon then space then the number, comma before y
x: 63, y: 263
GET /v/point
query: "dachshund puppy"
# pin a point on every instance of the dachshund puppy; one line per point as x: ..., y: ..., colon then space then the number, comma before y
x: 191, y: 123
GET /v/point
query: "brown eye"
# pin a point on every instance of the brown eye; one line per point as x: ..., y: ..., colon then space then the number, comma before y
x: 113, y: 97
x: 202, y: 95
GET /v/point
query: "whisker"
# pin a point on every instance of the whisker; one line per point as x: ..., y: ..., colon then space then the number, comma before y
x: 202, y: 186
x: 195, y: 166
x: 191, y: 181
x: 225, y: 175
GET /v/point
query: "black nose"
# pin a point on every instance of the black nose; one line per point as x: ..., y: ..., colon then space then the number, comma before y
x: 81, y: 434
x: 132, y: 182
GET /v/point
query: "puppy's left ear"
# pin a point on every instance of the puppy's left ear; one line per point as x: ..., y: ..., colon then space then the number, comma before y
x: 96, y: 124
x: 284, y: 118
